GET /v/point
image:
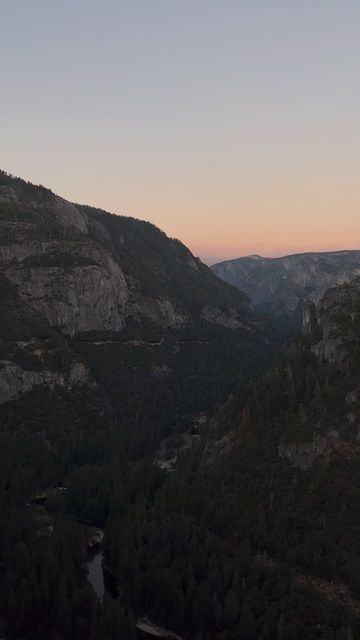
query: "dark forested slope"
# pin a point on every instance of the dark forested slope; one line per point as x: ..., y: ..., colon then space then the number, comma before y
x: 256, y: 534
x: 112, y: 338
x: 94, y: 301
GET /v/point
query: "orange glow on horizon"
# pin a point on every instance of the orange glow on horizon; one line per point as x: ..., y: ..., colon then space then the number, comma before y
x: 246, y: 140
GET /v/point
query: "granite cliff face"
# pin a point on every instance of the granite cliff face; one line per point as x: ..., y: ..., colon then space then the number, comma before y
x: 76, y: 287
x: 335, y: 321
x: 97, y: 301
x: 313, y: 392
x: 331, y: 331
x: 70, y: 267
x: 281, y: 285
x: 16, y: 380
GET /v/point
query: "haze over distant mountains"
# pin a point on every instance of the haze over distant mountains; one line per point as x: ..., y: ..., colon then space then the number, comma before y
x: 280, y: 285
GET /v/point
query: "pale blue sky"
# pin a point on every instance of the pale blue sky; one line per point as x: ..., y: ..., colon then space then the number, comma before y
x: 232, y: 125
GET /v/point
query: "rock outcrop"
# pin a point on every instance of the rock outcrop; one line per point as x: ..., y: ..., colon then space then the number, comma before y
x: 87, y: 293
x: 78, y: 280
x: 280, y: 286
x: 72, y: 269
x: 16, y: 381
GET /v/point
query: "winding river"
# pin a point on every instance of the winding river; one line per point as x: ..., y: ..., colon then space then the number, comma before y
x: 95, y: 574
x: 144, y: 626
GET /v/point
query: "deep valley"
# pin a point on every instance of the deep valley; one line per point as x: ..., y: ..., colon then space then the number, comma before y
x: 156, y: 424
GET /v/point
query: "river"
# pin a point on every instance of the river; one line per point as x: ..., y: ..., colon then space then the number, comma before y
x: 95, y: 574
x: 144, y: 626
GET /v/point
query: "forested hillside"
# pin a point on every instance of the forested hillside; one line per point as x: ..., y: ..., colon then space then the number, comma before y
x: 113, y: 340
x: 258, y: 531
x: 129, y: 405
x: 108, y: 303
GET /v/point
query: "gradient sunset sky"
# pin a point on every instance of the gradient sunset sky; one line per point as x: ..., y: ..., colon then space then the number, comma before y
x: 232, y: 125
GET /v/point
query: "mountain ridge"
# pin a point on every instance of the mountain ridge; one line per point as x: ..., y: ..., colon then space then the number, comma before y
x: 91, y: 291
x: 119, y: 348
x: 280, y: 285
x: 255, y: 532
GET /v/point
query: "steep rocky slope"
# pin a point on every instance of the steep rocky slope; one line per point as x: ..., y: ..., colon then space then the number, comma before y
x: 255, y: 533
x: 314, y: 390
x: 292, y: 447
x: 113, y: 338
x: 82, y: 269
x: 109, y: 303
x: 280, y: 285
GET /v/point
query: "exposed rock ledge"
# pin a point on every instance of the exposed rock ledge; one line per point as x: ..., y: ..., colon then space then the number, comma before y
x: 84, y: 298
x: 65, y: 213
x: 216, y: 316
x: 15, y: 381
x: 304, y: 454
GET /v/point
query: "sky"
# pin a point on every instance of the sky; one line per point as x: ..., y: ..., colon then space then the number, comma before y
x: 232, y: 125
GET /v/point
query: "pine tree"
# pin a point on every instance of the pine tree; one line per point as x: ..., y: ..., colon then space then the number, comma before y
x: 247, y: 623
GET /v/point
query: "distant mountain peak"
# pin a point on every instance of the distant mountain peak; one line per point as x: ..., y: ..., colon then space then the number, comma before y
x: 281, y: 285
